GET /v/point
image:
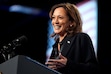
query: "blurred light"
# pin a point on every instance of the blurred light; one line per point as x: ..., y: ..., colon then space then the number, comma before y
x: 88, y: 11
x: 24, y: 9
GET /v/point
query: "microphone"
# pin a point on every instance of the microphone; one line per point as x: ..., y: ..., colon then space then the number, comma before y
x: 8, y: 50
x: 15, y: 43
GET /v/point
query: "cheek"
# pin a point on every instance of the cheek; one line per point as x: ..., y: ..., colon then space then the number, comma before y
x: 65, y: 24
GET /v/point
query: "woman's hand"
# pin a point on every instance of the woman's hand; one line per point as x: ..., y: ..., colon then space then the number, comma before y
x: 57, y: 63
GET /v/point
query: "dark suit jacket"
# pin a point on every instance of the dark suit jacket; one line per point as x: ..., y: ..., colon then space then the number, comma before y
x: 79, y: 51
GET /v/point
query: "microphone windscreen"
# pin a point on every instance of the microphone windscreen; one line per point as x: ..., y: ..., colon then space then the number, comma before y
x: 21, y: 40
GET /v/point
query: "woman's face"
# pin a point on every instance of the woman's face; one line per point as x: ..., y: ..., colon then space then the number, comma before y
x: 60, y: 21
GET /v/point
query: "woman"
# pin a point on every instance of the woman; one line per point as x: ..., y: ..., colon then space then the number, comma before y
x: 73, y: 51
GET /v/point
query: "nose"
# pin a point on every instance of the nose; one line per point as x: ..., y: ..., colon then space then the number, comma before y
x: 56, y: 21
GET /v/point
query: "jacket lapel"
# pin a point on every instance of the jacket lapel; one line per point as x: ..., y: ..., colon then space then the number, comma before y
x: 67, y: 42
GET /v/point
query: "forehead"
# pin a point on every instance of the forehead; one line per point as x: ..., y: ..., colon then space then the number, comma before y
x: 60, y: 10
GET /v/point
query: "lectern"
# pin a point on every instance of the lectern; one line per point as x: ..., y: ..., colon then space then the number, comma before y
x: 21, y: 64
